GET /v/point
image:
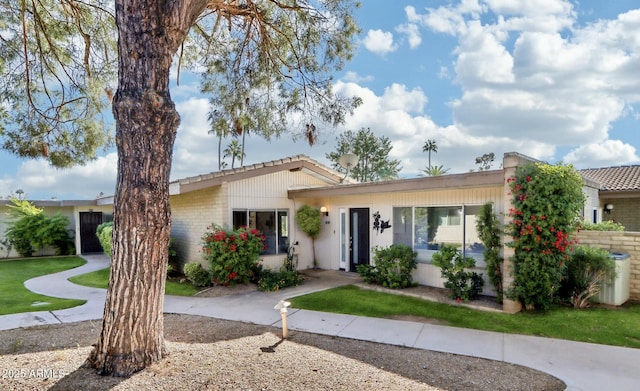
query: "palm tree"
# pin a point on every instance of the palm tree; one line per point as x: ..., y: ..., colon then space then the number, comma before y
x: 234, y: 150
x: 435, y: 171
x: 430, y: 146
x: 240, y: 123
x: 220, y: 128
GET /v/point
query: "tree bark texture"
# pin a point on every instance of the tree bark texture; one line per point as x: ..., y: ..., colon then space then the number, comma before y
x: 150, y: 32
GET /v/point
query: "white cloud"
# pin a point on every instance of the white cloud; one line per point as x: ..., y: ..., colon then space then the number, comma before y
x: 195, y: 150
x: 608, y: 153
x: 399, y: 114
x: 483, y: 59
x: 354, y: 77
x: 38, y: 179
x: 412, y: 32
x: 529, y: 74
x: 397, y: 97
x: 379, y: 42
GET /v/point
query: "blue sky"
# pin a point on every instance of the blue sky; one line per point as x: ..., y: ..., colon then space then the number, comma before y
x: 555, y: 80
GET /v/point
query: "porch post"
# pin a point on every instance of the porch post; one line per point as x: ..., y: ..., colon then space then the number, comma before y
x: 510, y: 162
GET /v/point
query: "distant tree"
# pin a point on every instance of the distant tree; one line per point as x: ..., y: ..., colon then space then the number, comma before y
x: 485, y: 161
x: 435, y: 171
x: 235, y: 151
x: 374, y: 163
x: 219, y: 128
x: 430, y: 146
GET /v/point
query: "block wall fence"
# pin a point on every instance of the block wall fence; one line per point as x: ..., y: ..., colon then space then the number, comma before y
x: 624, y: 242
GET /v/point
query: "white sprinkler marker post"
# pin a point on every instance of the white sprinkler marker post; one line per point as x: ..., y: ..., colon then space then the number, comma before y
x: 282, y: 306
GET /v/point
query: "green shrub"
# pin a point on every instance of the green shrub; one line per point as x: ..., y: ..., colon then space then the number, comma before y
x: 105, y: 236
x: 603, y: 226
x: 464, y: 285
x: 232, y: 255
x: 174, y: 265
x: 196, y: 274
x: 309, y: 222
x: 393, y: 267
x: 31, y: 230
x: 104, y: 232
x: 488, y: 228
x: 587, y: 268
x: 271, y: 281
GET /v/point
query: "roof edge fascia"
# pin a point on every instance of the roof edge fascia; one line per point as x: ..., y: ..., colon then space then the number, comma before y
x: 494, y: 178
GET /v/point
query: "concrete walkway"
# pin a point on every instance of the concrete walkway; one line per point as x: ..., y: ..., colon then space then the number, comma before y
x: 582, y: 366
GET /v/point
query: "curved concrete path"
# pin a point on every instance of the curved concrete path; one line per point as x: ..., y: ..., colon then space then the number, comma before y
x: 582, y: 366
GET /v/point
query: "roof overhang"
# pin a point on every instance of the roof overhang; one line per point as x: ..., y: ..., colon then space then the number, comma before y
x: 480, y: 179
x: 611, y: 194
x: 201, y: 182
x: 56, y: 203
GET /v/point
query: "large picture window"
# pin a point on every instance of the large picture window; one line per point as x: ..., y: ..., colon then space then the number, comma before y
x: 426, y: 229
x: 273, y: 224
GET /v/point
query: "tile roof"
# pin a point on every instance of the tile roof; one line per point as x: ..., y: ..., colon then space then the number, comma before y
x: 621, y: 178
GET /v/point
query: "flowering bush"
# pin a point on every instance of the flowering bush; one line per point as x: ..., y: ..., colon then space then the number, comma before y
x: 232, y: 255
x: 547, y: 201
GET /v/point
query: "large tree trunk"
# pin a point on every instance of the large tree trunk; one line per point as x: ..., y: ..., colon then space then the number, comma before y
x: 146, y: 124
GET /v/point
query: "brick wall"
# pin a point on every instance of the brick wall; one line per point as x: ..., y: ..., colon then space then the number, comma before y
x: 191, y: 214
x: 626, y: 211
x: 625, y: 242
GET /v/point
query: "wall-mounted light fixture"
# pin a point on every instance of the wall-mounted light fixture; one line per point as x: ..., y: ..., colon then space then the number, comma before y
x: 608, y: 208
x: 324, y: 211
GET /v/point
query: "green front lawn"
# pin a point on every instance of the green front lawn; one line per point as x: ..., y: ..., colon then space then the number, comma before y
x: 15, y: 298
x: 100, y: 279
x: 609, y: 326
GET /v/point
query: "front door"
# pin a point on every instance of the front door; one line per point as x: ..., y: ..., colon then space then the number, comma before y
x: 358, y: 237
x: 89, y: 242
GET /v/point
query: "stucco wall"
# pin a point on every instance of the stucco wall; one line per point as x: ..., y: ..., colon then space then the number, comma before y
x: 625, y: 242
x: 328, y: 242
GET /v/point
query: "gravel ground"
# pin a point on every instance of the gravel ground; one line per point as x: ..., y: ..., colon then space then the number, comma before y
x: 214, y: 354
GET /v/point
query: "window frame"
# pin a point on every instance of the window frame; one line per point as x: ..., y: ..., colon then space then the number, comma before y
x: 281, y: 229
x: 425, y: 254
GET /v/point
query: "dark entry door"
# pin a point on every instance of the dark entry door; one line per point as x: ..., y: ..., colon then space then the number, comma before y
x: 358, y: 237
x: 89, y: 242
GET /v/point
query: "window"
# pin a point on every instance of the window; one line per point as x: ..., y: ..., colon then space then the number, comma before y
x: 403, y: 226
x: 426, y: 229
x: 274, y: 225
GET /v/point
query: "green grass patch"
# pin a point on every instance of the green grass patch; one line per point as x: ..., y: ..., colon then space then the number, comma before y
x: 15, y: 298
x: 100, y: 279
x: 608, y: 326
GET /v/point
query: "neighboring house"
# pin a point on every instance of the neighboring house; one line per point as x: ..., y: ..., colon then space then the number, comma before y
x: 84, y: 217
x: 619, y: 194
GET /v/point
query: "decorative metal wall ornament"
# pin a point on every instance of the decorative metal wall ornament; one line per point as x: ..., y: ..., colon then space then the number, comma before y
x: 378, y: 224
